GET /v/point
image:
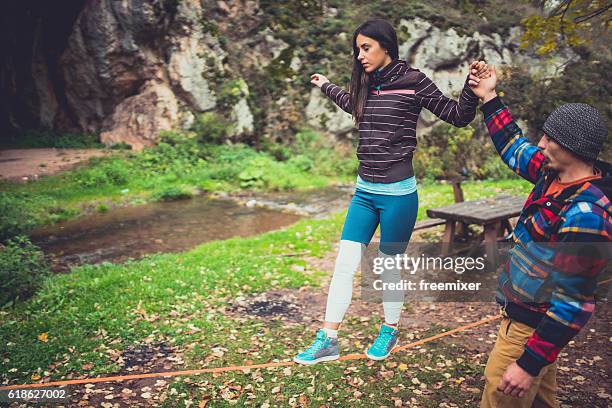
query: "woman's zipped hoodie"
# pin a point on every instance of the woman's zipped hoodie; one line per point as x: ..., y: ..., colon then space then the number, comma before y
x: 387, y: 131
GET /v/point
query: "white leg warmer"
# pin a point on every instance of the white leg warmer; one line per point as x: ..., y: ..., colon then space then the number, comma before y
x: 393, y: 300
x: 341, y: 286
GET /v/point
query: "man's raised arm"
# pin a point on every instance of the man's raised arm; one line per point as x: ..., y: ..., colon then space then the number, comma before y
x: 522, y: 156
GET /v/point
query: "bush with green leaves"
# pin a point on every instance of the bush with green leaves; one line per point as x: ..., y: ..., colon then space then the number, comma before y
x: 312, y: 152
x: 22, y: 270
x: 171, y: 194
x: 427, y: 163
x: 301, y: 162
x: 176, y: 152
x: 211, y: 127
x: 449, y: 152
x: 104, y: 172
x: 16, y: 214
x: 120, y: 146
x: 227, y: 162
x: 494, y: 168
x: 256, y: 174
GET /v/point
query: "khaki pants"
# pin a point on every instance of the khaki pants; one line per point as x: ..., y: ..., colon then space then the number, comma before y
x: 509, y: 346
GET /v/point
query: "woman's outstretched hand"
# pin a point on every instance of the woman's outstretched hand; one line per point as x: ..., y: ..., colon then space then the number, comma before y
x: 484, y: 88
x: 480, y: 69
x: 318, y: 79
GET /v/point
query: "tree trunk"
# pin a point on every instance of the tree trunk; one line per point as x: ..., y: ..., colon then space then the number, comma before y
x: 457, y: 191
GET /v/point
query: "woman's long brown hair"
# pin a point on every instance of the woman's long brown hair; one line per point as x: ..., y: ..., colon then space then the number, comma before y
x: 381, y: 31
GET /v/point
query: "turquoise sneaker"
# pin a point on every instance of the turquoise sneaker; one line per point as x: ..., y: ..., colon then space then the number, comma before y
x: 322, y: 349
x: 384, y: 343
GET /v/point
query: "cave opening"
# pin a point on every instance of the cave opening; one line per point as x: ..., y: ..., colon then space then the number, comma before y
x: 33, y: 36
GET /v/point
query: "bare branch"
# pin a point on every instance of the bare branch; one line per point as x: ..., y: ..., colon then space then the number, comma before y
x: 558, y: 9
x: 569, y: 3
x: 581, y: 19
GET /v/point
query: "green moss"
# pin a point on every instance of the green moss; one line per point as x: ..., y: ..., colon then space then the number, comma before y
x: 277, y: 71
x: 230, y: 92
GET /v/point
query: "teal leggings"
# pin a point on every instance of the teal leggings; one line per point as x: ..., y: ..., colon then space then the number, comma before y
x: 395, y: 214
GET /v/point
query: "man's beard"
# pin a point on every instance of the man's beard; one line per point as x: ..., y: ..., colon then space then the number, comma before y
x: 547, y: 165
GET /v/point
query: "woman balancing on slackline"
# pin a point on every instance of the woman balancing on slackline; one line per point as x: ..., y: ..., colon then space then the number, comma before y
x: 385, y: 98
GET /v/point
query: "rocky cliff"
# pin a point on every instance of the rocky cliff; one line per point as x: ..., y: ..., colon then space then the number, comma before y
x: 130, y: 69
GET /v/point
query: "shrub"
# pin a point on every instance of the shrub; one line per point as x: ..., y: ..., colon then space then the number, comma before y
x: 121, y: 146
x: 176, y: 152
x: 427, y: 163
x: 301, y: 162
x: 111, y: 172
x: 171, y: 194
x: 256, y: 174
x: 312, y: 152
x: 102, y: 208
x: 250, y: 178
x: 16, y: 214
x: 494, y: 168
x: 211, y: 127
x: 22, y: 269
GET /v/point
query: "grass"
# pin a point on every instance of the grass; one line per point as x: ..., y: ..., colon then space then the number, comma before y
x: 78, y: 323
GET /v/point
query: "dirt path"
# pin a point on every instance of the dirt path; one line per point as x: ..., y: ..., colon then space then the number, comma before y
x: 30, y: 164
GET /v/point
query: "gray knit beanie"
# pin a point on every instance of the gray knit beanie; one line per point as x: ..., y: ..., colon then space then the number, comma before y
x: 577, y: 127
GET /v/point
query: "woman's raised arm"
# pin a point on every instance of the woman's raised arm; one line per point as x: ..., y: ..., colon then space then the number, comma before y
x: 458, y: 113
x: 338, y: 95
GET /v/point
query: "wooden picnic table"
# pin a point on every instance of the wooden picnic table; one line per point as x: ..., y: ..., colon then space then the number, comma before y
x: 492, y: 213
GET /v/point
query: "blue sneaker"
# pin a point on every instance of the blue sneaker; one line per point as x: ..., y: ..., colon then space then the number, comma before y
x: 384, y: 343
x: 322, y: 349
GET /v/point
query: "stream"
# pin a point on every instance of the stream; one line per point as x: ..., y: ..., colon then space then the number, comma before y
x: 132, y: 232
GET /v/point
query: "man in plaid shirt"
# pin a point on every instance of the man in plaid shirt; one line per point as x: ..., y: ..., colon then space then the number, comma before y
x: 563, y: 241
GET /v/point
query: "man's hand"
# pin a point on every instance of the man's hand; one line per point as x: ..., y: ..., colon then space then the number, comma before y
x: 515, y: 381
x: 484, y: 88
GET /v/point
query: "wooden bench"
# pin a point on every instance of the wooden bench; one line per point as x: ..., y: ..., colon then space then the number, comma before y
x: 428, y: 223
x: 492, y: 213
